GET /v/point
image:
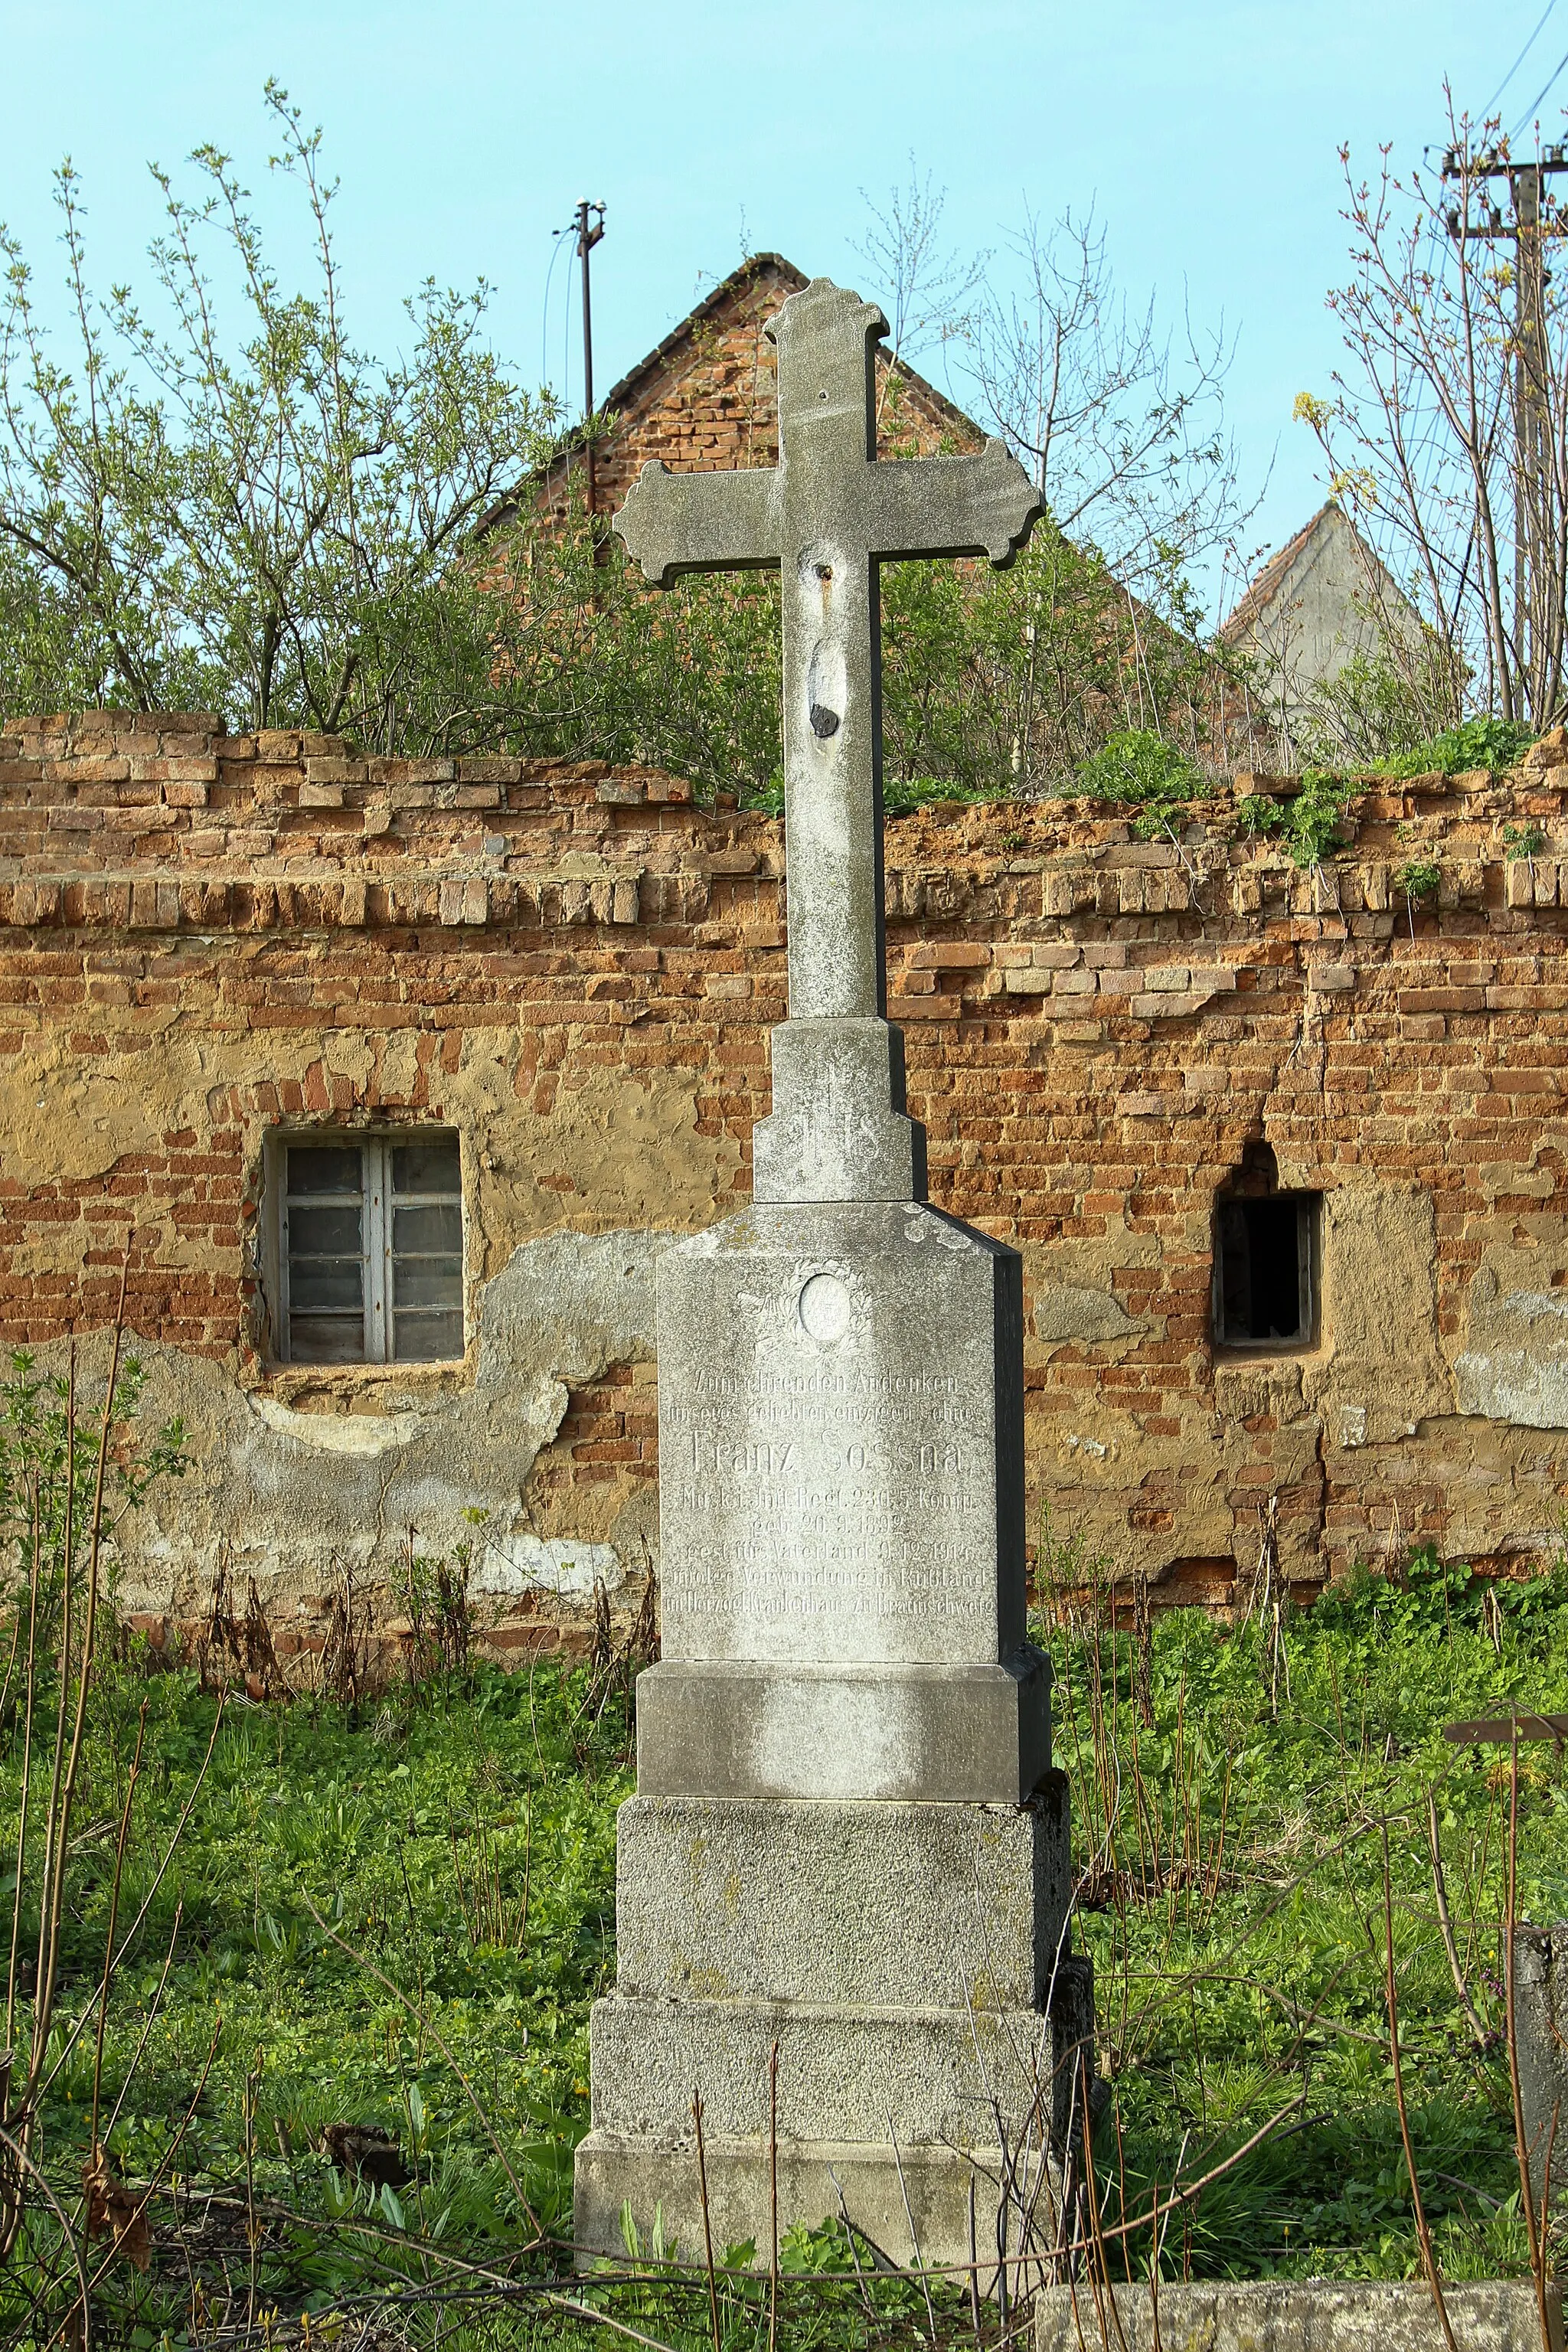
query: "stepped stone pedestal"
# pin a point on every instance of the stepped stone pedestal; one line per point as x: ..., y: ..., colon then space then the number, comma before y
x: 848, y: 1844
x: 847, y: 1839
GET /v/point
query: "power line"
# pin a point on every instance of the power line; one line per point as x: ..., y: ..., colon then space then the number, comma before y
x: 544, y: 322
x: 1539, y: 94
x: 1519, y: 59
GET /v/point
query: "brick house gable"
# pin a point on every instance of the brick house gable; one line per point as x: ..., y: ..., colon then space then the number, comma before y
x: 705, y: 397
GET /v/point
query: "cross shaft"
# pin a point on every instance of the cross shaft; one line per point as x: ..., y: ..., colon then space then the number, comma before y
x: 826, y: 517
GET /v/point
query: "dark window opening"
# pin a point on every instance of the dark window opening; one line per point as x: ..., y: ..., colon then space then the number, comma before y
x: 371, y: 1250
x: 1266, y: 1253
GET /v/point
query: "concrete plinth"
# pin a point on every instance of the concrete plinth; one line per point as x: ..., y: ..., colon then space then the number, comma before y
x: 1298, y: 2316
x: 815, y: 2179
x: 848, y: 1847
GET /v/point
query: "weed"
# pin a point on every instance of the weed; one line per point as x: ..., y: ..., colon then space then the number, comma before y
x: 1138, y: 765
x: 1492, y: 743
x: 1418, y: 879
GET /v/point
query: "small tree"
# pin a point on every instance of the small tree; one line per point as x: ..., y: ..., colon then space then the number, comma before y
x: 1447, y: 433
x: 273, y: 528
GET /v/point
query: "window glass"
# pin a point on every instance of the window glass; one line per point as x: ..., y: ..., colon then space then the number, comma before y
x: 371, y: 1251
x: 313, y: 1170
x: 324, y: 1254
x: 426, y: 1252
x: 425, y: 1167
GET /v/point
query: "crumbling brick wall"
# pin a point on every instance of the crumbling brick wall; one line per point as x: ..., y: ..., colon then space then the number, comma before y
x: 707, y: 396
x: 204, y: 938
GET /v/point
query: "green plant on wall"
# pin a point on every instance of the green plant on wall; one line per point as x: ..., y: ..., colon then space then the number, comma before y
x: 1310, y: 825
x: 1492, y: 743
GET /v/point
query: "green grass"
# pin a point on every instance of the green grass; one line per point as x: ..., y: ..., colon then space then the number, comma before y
x: 1234, y: 1976
x: 1239, y: 1968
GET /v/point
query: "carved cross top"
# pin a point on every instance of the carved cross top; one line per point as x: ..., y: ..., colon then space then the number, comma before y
x: 827, y: 514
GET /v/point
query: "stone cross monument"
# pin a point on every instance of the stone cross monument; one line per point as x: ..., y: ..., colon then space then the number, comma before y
x: 847, y: 1843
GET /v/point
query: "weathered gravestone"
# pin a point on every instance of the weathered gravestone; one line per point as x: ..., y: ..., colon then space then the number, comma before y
x: 847, y: 1839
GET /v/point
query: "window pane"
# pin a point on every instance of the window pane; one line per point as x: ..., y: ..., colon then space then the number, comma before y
x: 425, y: 1167
x: 326, y: 1338
x: 323, y: 1232
x: 427, y: 1282
x: 425, y: 1337
x: 1265, y: 1278
x: 1272, y: 1231
x: 1234, y: 1272
x: 317, y: 1282
x: 316, y: 1170
x: 424, y: 1229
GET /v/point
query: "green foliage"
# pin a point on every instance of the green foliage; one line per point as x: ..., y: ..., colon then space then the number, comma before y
x: 1494, y: 743
x: 1522, y: 841
x: 1386, y: 702
x: 1228, y: 1842
x: 254, y: 519
x: 1309, y: 823
x: 48, y: 1474
x: 1135, y: 763
x: 1231, y: 1840
x: 221, y: 501
x: 1418, y: 879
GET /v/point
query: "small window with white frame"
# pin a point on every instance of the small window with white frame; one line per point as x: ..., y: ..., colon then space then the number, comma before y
x: 369, y: 1232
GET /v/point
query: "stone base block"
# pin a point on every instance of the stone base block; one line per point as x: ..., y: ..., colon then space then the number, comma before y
x: 1298, y: 2316
x: 741, y: 1727
x: 914, y: 2076
x: 1541, y: 2004
x: 817, y: 2182
x: 796, y: 1902
x: 838, y: 1131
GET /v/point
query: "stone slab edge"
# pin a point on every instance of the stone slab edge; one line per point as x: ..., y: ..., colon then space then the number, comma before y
x: 1296, y: 2316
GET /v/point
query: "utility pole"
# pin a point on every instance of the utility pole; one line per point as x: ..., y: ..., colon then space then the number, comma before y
x: 1535, y: 215
x: 589, y: 230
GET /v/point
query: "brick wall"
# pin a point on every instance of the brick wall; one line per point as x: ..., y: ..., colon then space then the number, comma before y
x: 709, y: 397
x: 203, y: 938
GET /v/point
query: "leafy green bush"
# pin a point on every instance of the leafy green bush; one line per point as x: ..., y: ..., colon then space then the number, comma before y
x: 1494, y: 743
x: 1308, y: 825
x: 1137, y: 764
x: 1418, y: 879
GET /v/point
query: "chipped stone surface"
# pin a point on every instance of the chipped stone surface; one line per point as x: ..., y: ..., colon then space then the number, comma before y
x: 1301, y: 2315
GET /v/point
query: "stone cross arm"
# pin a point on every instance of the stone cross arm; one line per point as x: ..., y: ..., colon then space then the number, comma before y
x: 679, y: 523
x: 828, y: 517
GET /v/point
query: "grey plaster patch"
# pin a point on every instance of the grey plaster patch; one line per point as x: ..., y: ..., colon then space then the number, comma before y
x: 525, y: 1563
x: 1515, y: 1367
x: 1380, y: 1362
x: 1063, y: 1312
x: 299, y: 1494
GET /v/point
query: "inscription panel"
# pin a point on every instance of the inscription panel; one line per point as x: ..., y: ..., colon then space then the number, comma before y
x: 828, y: 1440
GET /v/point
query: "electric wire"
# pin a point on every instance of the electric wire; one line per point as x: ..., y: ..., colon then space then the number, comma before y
x: 544, y: 322
x: 1513, y: 68
x: 567, y: 341
x: 1539, y: 94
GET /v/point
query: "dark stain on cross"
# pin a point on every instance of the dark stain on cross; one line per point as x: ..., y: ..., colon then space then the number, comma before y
x: 826, y: 517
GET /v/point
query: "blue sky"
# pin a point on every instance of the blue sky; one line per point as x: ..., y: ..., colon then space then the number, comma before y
x: 1207, y: 134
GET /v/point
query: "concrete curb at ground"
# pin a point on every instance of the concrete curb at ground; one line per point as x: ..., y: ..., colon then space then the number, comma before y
x: 1296, y: 2316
